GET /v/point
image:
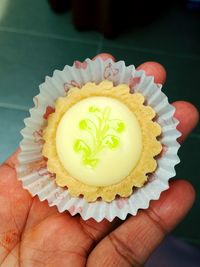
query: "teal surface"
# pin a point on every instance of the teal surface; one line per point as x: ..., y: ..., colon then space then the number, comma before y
x: 34, y: 41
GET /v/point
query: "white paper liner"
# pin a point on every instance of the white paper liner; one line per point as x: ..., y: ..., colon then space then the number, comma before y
x: 32, y: 169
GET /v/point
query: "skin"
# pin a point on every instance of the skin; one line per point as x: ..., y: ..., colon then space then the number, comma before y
x: 33, y: 234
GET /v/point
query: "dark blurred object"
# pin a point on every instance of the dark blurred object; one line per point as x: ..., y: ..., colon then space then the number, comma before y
x: 193, y: 5
x: 60, y: 6
x: 112, y: 17
x: 174, y: 252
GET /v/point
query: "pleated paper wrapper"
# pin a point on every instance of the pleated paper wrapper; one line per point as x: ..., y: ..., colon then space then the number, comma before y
x: 32, y: 167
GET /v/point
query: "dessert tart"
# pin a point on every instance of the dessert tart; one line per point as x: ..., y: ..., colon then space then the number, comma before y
x: 101, y: 141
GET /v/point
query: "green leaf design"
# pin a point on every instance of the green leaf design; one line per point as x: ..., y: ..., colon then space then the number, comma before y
x: 91, y: 162
x: 93, y: 109
x: 81, y: 146
x: 117, y: 125
x: 86, y: 124
x: 111, y: 141
x: 103, y: 133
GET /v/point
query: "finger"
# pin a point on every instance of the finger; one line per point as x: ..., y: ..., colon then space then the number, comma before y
x: 13, y: 159
x: 188, y: 116
x: 132, y: 243
x: 154, y: 69
x: 151, y: 68
x: 104, y: 56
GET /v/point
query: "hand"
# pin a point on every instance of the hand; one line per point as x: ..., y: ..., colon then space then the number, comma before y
x: 33, y: 234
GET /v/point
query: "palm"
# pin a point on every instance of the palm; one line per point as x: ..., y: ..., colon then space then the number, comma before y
x: 33, y: 234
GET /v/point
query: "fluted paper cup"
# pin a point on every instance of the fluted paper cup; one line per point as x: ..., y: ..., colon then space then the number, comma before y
x: 32, y: 167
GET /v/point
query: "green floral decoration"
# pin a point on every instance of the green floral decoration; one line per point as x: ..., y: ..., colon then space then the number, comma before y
x: 103, y: 131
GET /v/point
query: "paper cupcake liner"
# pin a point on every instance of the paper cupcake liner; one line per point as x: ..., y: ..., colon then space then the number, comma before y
x: 32, y: 170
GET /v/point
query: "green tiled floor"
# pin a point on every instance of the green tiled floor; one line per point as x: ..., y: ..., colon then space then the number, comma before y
x: 26, y: 60
x: 35, y: 18
x: 11, y: 124
x: 34, y: 41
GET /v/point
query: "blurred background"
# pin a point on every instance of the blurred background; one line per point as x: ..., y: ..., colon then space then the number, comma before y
x: 38, y: 36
